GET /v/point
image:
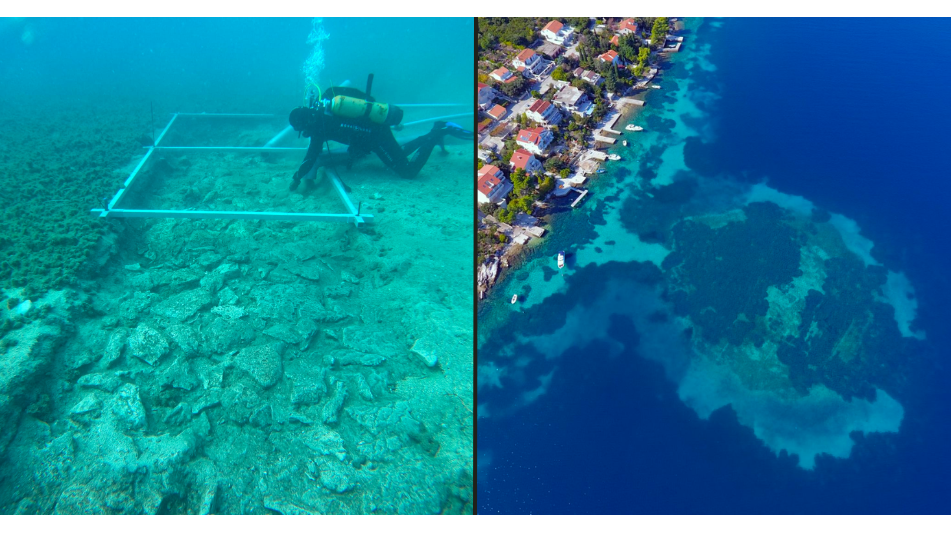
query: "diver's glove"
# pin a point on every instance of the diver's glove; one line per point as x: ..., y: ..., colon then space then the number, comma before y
x: 443, y: 128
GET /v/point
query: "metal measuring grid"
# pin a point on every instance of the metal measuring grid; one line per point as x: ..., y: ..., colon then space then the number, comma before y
x: 353, y: 214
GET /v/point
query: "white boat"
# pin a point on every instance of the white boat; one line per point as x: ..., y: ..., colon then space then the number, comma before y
x: 624, y: 142
x: 613, y: 157
x: 514, y: 298
x: 633, y: 128
x: 561, y: 259
x: 655, y: 86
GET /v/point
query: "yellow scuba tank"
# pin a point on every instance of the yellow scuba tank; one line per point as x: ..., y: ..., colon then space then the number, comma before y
x: 354, y: 108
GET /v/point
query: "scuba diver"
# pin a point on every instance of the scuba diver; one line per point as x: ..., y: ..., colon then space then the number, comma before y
x: 350, y: 116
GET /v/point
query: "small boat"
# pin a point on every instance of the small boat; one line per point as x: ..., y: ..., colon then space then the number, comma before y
x: 624, y: 142
x: 561, y: 259
x: 614, y: 157
x: 600, y: 170
x: 655, y: 86
x: 514, y: 298
x: 633, y: 128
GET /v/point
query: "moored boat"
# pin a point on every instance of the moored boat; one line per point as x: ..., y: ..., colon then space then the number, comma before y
x: 561, y: 259
x: 633, y: 128
x: 514, y: 298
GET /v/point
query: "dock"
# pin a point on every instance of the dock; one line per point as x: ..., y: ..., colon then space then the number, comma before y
x: 598, y: 155
x: 630, y: 101
x: 603, y: 139
x: 583, y: 193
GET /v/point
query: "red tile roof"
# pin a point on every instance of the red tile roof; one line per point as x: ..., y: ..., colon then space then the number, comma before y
x: 540, y: 106
x: 496, y: 112
x: 530, y: 135
x: 489, y: 177
x: 610, y: 55
x: 615, y: 41
x: 526, y: 55
x: 482, y: 86
x: 553, y: 26
x: 520, y: 158
x: 628, y: 24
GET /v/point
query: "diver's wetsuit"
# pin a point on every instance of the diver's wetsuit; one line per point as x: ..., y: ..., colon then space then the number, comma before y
x: 364, y: 136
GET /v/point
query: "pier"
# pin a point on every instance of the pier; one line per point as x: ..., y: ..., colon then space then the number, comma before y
x: 576, y: 201
x: 630, y: 101
x: 603, y: 139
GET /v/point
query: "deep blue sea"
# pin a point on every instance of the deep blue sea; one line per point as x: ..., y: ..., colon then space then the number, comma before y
x: 851, y: 114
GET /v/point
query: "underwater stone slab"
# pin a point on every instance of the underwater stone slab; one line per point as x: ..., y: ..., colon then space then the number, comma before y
x: 229, y: 311
x: 127, y: 408
x: 331, y: 409
x: 179, y: 375
x: 309, y: 272
x: 89, y: 408
x: 326, y: 441
x: 263, y: 363
x: 184, y: 336
x: 147, y: 344
x: 349, y: 357
x: 336, y: 476
x: 308, y: 394
x: 114, y: 346
x: 284, y: 333
x: 181, y: 278
x: 369, y: 340
x: 184, y: 305
x: 107, y: 382
x: 426, y: 350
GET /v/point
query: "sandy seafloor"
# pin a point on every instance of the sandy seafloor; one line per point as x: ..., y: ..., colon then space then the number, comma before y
x: 232, y: 366
x: 612, y: 386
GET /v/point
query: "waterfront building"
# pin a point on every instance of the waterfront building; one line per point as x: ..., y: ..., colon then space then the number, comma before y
x: 492, y: 185
x: 526, y: 161
x: 535, y: 140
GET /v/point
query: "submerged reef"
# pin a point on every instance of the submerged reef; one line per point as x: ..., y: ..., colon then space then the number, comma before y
x: 784, y: 302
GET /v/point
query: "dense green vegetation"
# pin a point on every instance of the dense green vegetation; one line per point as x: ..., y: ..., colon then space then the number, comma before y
x: 659, y: 32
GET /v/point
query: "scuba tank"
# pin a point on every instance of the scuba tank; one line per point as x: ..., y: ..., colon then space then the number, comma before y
x: 354, y: 108
x: 350, y: 105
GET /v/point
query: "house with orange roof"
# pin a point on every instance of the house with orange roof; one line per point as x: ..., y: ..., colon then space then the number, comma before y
x: 526, y: 161
x: 610, y: 56
x: 497, y: 112
x: 528, y: 60
x: 627, y: 26
x: 492, y: 185
x: 503, y: 75
x: 558, y: 33
x: 535, y: 140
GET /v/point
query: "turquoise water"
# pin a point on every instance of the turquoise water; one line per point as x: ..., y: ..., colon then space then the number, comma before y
x: 741, y: 326
x: 184, y: 366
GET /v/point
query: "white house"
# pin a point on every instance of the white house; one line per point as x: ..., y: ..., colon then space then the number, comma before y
x: 543, y: 111
x: 503, y: 75
x: 486, y: 95
x: 528, y: 60
x: 522, y: 159
x: 558, y: 33
x: 627, y: 26
x: 572, y: 99
x: 591, y: 77
x: 535, y: 140
x: 492, y: 185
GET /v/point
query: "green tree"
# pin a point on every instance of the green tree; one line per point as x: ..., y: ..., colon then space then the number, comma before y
x: 610, y: 80
x: 659, y: 32
x: 505, y: 215
x: 521, y: 181
x: 546, y: 185
x: 559, y: 74
x: 565, y: 173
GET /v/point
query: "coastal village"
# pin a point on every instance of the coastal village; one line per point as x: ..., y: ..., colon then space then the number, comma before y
x: 551, y: 92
